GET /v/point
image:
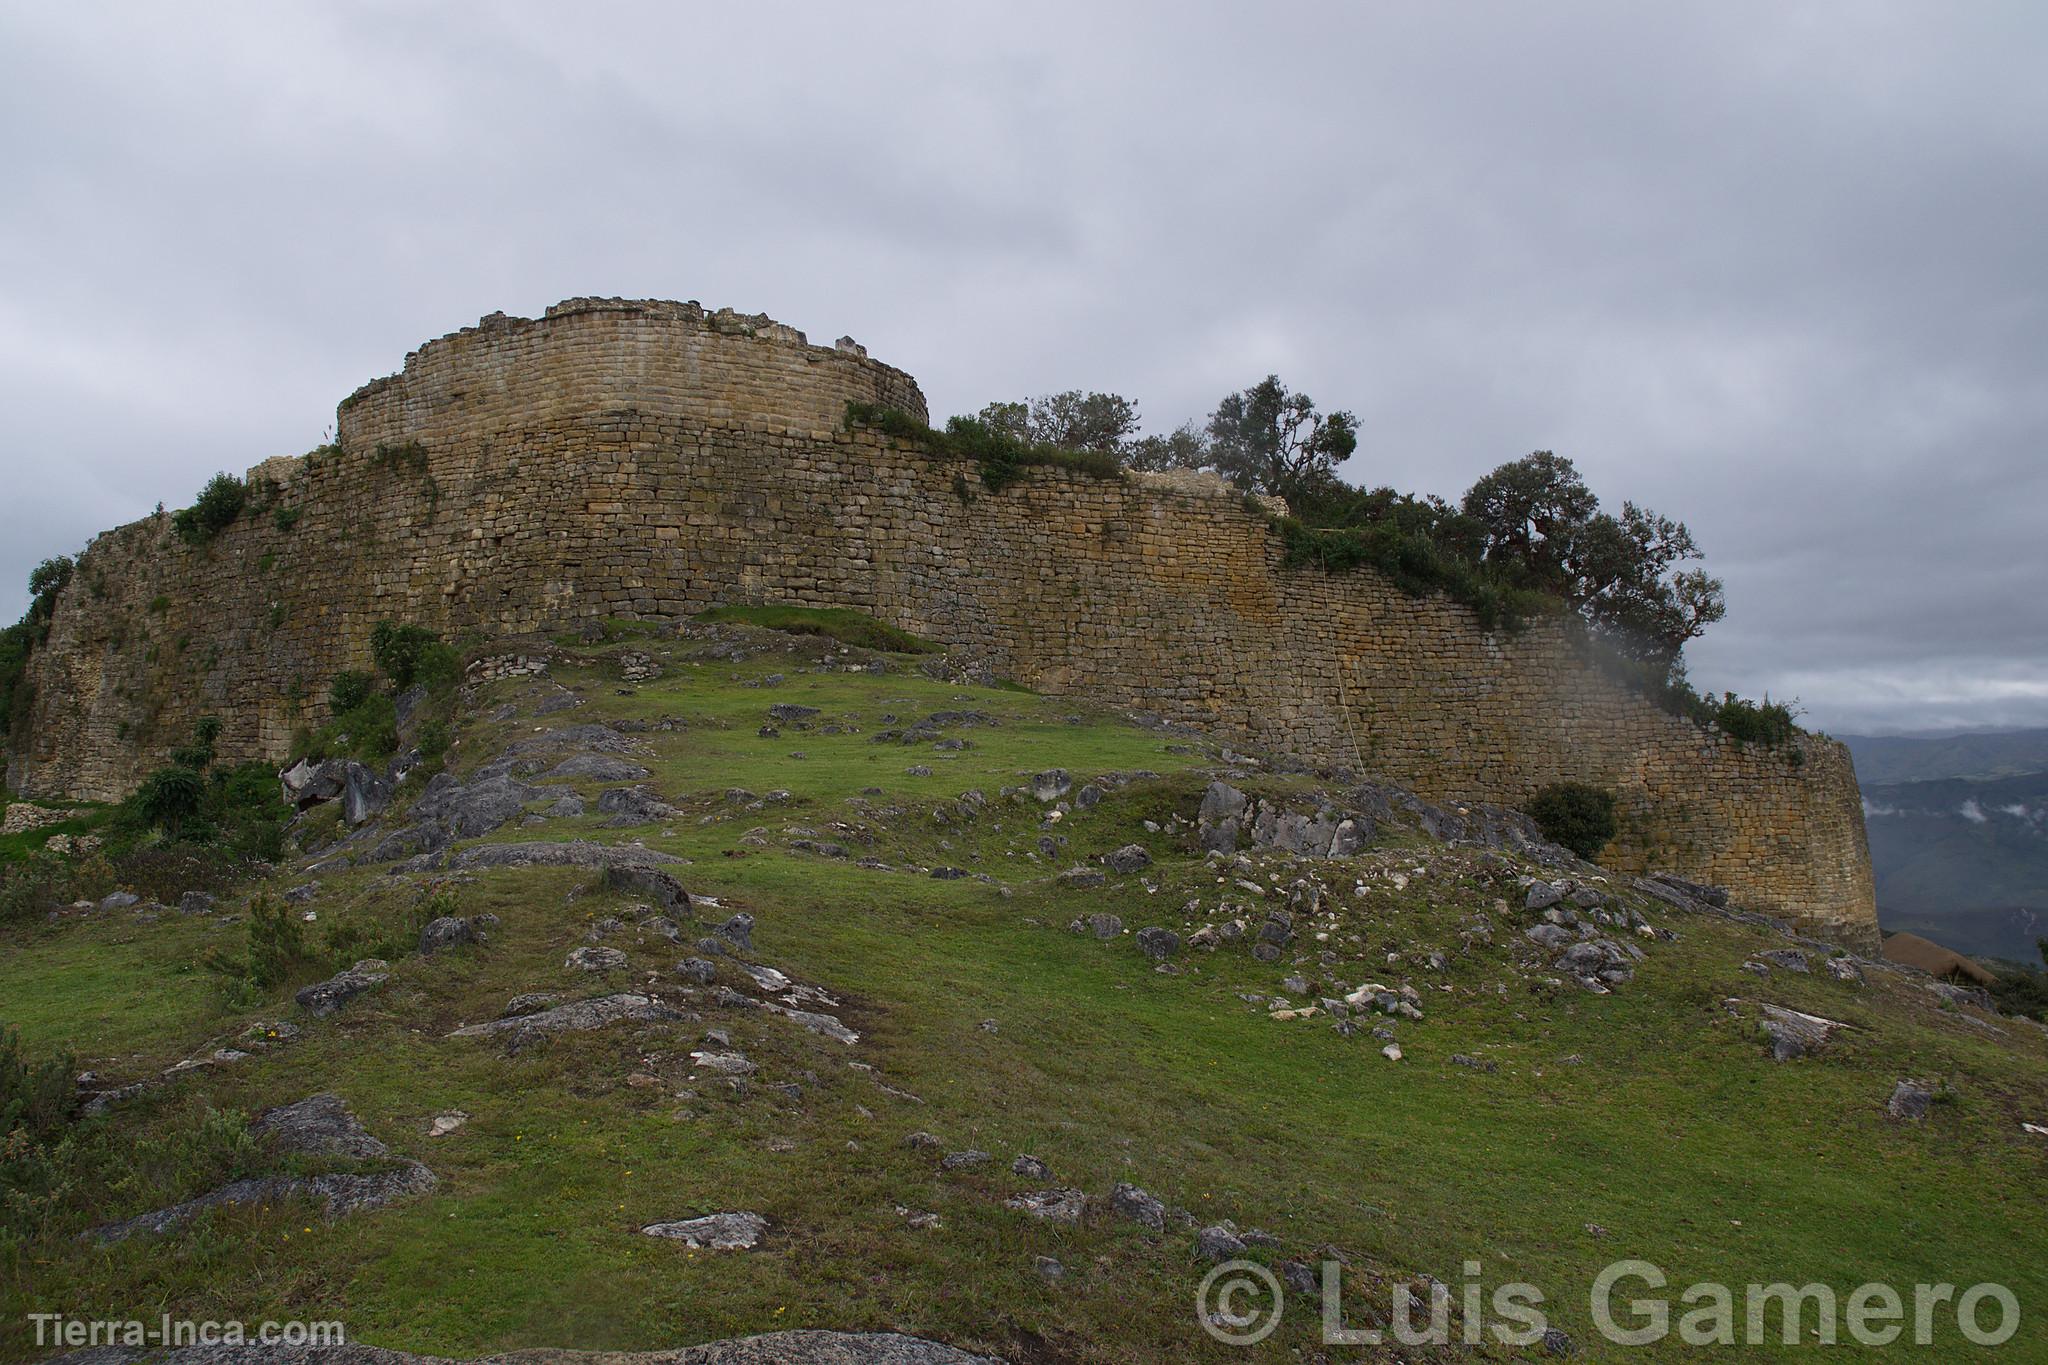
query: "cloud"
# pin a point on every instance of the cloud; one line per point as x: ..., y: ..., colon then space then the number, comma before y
x: 1769, y: 269
x: 1972, y: 812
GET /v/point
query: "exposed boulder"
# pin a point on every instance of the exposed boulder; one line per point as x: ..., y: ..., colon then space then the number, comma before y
x: 658, y: 886
x: 575, y: 853
x: 474, y: 809
x: 1794, y: 1034
x: 446, y: 932
x: 1103, y: 926
x: 594, y: 768
x: 306, y: 783
x: 714, y: 1231
x: 1218, y: 1243
x: 324, y: 998
x: 1129, y: 858
x: 1714, y: 896
x: 319, y: 1126
x: 633, y: 806
x: 589, y: 959
x: 1227, y: 817
x: 1157, y: 943
x: 1910, y: 1102
x: 364, y: 795
x: 579, y: 1017
x: 1135, y: 1205
x: 1052, y: 784
x: 1055, y: 1205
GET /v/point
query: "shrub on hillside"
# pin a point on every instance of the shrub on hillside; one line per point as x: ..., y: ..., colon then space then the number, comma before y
x: 35, y: 1097
x: 349, y: 690
x: 232, y: 811
x: 169, y: 797
x: 1576, y: 815
x: 274, y: 954
x: 32, y: 886
x: 409, y: 654
x: 2022, y: 990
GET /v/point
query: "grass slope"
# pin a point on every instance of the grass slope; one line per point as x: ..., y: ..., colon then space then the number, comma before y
x: 1649, y: 1123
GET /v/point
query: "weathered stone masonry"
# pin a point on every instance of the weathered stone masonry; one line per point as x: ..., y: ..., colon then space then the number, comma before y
x: 649, y: 459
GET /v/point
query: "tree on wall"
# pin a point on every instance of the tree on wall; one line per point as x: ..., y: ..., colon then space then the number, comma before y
x: 1531, y: 512
x: 1073, y: 420
x: 1185, y: 447
x: 1541, y: 527
x: 1269, y: 440
x: 45, y: 582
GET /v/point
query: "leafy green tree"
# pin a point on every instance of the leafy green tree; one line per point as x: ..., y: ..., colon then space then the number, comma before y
x: 1533, y: 513
x: 1539, y: 526
x: 1072, y: 420
x: 48, y: 579
x: 1185, y: 447
x: 1269, y: 440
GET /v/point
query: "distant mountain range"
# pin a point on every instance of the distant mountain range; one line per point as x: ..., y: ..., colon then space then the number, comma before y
x: 1884, y: 759
x: 1959, y: 837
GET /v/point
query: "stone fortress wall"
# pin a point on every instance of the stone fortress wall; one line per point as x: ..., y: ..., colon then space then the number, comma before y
x: 647, y: 460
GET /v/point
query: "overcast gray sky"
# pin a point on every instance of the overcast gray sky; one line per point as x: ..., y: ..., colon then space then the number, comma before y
x: 1776, y: 269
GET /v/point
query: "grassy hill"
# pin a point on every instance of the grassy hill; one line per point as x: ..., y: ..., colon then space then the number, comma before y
x: 881, y: 829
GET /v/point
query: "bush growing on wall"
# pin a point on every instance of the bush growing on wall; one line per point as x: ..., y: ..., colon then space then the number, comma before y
x: 364, y: 720
x: 215, y: 509
x: 1576, y: 815
x: 1002, y: 455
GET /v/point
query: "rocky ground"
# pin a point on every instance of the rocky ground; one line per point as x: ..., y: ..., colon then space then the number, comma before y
x: 730, y: 983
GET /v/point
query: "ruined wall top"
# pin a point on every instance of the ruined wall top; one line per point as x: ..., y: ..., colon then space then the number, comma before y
x: 587, y: 355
